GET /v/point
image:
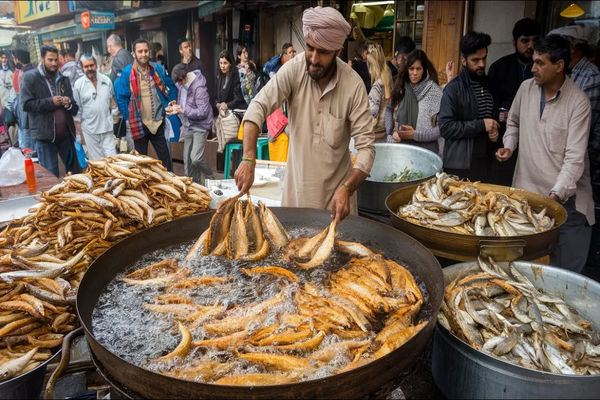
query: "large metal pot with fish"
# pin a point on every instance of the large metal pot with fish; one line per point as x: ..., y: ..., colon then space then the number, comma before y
x: 396, y: 166
x: 461, y: 371
x: 356, y: 382
x: 467, y: 247
x: 29, y: 384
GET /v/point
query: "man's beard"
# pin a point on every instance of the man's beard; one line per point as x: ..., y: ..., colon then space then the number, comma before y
x: 49, y: 72
x: 326, y: 70
x: 91, y: 75
x: 525, y: 58
x: 474, y: 76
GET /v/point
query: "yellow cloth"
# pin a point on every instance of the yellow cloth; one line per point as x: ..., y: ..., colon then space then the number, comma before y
x: 321, y: 124
x: 278, y: 150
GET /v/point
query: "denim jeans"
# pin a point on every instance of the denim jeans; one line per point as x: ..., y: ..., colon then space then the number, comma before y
x: 25, y: 140
x: 48, y: 153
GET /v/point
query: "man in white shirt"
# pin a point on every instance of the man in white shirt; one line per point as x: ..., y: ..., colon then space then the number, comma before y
x: 93, y: 93
x: 550, y: 122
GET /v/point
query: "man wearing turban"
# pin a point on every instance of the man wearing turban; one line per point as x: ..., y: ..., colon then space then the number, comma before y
x: 327, y: 105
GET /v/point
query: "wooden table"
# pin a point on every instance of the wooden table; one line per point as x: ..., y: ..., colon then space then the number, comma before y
x: 44, y: 181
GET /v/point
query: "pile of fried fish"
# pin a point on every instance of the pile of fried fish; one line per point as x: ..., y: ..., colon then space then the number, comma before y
x: 448, y: 204
x: 44, y: 255
x: 500, y: 312
x: 360, y: 312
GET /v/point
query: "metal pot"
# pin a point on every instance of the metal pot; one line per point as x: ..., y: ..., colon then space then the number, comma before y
x: 355, y: 383
x: 26, y: 386
x: 393, y: 158
x: 462, y: 247
x: 460, y: 371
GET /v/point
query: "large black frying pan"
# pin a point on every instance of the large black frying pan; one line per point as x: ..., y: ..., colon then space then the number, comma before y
x: 355, y: 383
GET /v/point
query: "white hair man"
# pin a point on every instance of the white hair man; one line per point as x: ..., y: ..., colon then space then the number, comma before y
x: 93, y: 93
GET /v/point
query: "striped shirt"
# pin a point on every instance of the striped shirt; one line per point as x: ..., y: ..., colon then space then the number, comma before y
x: 587, y: 77
x: 485, y: 101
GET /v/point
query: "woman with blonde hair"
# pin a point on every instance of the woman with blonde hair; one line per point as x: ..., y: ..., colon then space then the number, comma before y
x: 381, y: 87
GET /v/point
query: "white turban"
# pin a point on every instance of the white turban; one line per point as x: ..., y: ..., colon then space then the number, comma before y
x: 326, y: 27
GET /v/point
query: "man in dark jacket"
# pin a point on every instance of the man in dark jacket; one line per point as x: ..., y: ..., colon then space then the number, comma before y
x: 188, y: 58
x: 359, y: 64
x: 121, y: 57
x: 506, y: 75
x: 467, y: 113
x: 47, y: 97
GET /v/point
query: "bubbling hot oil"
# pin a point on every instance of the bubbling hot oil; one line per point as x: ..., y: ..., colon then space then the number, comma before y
x: 139, y: 336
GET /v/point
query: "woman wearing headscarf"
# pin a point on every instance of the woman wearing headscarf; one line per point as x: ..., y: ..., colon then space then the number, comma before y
x: 415, y: 102
x: 248, y: 74
x: 228, y: 93
x: 381, y: 88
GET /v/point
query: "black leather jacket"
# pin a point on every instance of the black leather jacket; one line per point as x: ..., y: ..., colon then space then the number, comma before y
x: 37, y: 102
x: 459, y: 123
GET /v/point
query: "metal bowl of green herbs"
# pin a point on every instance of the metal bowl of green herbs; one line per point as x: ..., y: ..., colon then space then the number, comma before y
x: 396, y: 166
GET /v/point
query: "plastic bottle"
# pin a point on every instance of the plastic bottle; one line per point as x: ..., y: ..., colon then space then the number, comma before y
x: 30, y: 174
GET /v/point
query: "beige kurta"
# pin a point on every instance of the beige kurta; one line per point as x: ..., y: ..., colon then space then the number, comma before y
x: 552, y: 149
x: 147, y: 111
x: 321, y: 124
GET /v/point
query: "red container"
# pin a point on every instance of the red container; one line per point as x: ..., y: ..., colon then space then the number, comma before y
x: 30, y: 174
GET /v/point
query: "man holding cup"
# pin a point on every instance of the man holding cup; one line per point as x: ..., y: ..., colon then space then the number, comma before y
x: 47, y: 97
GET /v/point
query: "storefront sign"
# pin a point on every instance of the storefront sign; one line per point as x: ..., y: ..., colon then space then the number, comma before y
x: 94, y: 20
x: 27, y: 11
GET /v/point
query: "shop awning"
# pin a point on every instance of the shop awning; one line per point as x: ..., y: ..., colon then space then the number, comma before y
x: 208, y: 7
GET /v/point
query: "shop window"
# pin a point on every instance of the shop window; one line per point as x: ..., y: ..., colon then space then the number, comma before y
x: 409, y: 21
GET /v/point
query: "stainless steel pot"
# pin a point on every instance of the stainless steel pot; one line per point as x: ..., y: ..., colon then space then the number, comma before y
x: 460, y: 371
x: 393, y: 158
x: 29, y: 385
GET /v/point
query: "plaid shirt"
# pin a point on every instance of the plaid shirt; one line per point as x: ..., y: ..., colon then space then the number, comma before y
x: 587, y: 76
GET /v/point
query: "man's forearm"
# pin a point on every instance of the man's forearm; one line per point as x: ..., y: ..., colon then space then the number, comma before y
x: 250, y: 138
x: 354, y: 180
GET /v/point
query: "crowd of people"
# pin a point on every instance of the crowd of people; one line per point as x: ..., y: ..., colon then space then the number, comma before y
x: 69, y: 98
x: 531, y: 122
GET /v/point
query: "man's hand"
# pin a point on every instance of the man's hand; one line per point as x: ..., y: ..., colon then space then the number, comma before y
x: 396, y: 137
x: 491, y: 124
x: 450, y: 71
x: 340, y: 204
x: 244, y: 176
x: 57, y: 100
x: 554, y: 197
x: 407, y: 132
x: 66, y: 102
x: 493, y: 135
x: 503, y: 154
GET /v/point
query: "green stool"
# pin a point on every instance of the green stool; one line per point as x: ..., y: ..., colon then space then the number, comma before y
x: 262, y: 149
x: 262, y: 152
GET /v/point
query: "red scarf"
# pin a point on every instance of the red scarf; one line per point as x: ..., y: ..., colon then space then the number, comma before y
x: 135, y: 115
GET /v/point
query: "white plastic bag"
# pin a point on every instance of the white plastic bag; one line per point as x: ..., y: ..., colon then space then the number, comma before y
x: 12, y: 167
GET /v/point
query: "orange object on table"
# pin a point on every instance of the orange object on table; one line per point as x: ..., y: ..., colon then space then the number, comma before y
x: 30, y: 174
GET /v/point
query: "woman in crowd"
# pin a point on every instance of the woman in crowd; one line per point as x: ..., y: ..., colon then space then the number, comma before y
x: 411, y: 115
x: 228, y: 93
x: 195, y: 112
x: 381, y: 88
x: 248, y: 74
